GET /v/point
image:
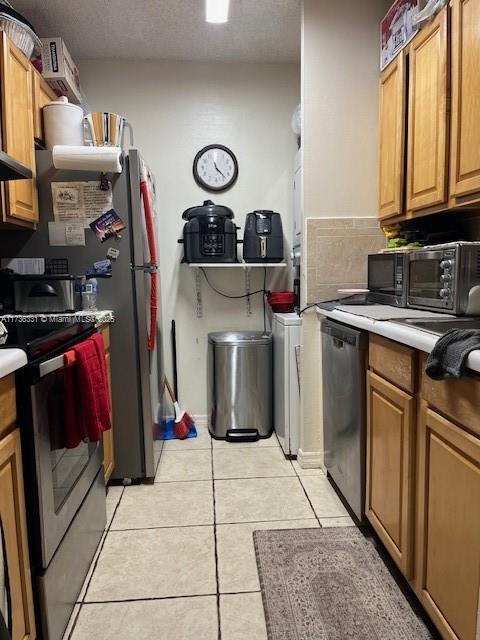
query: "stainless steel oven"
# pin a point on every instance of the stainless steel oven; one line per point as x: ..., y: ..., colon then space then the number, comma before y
x: 445, y: 278
x: 65, y: 488
x: 64, y: 476
x: 387, y: 278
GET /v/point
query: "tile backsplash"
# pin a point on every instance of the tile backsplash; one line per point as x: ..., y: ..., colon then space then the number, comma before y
x: 336, y: 254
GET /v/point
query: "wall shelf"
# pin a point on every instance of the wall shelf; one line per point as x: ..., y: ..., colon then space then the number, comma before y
x: 245, y: 266
x: 235, y: 265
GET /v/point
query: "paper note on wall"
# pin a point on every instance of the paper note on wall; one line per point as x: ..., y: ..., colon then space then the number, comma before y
x: 80, y: 202
x: 66, y: 234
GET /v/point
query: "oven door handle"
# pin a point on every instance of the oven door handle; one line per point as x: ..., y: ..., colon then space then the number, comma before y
x: 54, y: 364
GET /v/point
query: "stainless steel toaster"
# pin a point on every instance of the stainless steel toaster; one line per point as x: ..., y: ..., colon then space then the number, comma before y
x: 44, y: 293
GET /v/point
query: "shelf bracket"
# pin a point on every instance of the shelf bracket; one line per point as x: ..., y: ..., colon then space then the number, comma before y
x: 247, y: 291
x: 198, y: 293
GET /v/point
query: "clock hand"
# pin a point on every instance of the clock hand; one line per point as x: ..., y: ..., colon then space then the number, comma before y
x: 215, y: 165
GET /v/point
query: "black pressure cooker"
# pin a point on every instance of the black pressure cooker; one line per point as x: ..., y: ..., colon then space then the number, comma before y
x: 209, y: 234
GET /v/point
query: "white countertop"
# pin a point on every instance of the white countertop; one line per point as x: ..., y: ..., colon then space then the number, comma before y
x: 11, y: 360
x: 404, y: 334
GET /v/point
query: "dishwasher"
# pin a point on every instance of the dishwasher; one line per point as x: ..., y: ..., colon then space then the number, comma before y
x: 344, y: 424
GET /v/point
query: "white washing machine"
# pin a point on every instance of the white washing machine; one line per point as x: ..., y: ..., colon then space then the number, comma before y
x: 287, y: 328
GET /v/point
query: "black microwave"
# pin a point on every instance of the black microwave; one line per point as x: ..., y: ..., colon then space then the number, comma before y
x: 387, y: 278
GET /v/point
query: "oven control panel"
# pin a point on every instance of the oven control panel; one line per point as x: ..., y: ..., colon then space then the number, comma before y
x: 447, y: 268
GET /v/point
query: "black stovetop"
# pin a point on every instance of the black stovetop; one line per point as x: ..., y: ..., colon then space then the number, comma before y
x: 40, y: 336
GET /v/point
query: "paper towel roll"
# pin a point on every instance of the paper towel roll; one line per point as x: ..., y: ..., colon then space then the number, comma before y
x: 104, y: 159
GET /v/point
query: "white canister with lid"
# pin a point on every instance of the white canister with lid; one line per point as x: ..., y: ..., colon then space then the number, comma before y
x: 63, y: 123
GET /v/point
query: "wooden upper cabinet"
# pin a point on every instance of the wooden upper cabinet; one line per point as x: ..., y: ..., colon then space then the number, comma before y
x: 42, y: 95
x: 448, y: 526
x: 21, y: 200
x: 390, y: 463
x: 392, y: 138
x: 465, y: 139
x: 14, y: 535
x: 428, y: 115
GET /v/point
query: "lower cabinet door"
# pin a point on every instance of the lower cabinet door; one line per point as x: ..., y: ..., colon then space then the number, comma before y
x: 14, y: 533
x: 447, y: 579
x: 390, y: 467
x: 108, y: 446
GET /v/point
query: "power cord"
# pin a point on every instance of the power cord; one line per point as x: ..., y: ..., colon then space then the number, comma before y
x: 226, y: 295
x: 245, y: 295
x: 315, y: 304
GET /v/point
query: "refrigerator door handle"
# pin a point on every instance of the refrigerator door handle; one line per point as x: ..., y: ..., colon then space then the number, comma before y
x: 147, y: 267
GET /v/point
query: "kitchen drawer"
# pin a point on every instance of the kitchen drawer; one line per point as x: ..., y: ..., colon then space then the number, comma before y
x: 393, y: 361
x: 104, y: 329
x: 8, y: 410
x: 456, y: 399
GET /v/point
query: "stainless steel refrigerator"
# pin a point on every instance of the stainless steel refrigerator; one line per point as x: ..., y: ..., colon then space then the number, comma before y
x: 136, y: 372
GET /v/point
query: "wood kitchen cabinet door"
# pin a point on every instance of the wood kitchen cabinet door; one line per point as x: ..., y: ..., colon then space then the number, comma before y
x: 465, y: 138
x: 390, y: 467
x: 21, y: 199
x: 14, y: 531
x: 428, y: 115
x: 108, y: 447
x: 448, y: 525
x: 42, y: 95
x: 392, y: 138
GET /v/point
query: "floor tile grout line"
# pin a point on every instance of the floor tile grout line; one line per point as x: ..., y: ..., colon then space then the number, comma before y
x: 306, y: 495
x: 291, y: 475
x: 158, y: 462
x: 217, y: 581
x: 177, y: 597
x: 165, y: 526
x: 151, y: 599
x: 219, y: 524
x: 74, y: 624
x: 160, y: 598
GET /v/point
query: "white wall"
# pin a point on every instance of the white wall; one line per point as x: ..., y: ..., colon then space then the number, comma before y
x: 340, y: 68
x: 176, y: 109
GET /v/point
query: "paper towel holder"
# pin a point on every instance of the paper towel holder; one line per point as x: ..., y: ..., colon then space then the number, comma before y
x: 83, y: 158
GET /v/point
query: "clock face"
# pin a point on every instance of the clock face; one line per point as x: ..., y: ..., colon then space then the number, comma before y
x: 215, y: 168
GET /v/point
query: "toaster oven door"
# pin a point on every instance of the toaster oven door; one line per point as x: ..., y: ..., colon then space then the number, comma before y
x: 431, y: 281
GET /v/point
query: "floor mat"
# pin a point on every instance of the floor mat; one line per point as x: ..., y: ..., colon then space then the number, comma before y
x: 330, y: 584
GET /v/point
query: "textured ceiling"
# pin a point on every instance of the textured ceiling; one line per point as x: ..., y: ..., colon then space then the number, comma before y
x: 258, y: 30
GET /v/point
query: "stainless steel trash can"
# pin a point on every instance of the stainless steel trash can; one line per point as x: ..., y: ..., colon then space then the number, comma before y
x: 240, y: 403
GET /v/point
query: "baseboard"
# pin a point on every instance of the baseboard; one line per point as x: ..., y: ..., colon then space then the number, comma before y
x: 201, y: 421
x: 310, y: 459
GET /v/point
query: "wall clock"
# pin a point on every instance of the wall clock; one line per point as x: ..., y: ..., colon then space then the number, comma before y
x: 215, y: 168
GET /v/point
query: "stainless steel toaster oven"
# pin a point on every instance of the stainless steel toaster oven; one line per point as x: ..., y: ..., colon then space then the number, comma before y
x: 445, y: 278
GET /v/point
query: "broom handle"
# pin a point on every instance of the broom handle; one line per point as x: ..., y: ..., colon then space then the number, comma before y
x: 170, y: 390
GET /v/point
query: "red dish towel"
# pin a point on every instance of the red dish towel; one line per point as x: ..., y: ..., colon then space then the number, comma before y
x: 92, y: 387
x: 73, y: 433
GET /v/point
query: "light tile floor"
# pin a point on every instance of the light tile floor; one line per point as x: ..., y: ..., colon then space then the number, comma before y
x: 177, y: 560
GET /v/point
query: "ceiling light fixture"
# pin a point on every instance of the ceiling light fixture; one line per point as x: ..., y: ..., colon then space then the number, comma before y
x: 217, y: 11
